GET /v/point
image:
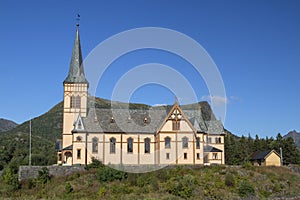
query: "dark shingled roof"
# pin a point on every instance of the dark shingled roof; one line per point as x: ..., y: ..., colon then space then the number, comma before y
x: 261, y: 155
x: 68, y: 147
x: 119, y: 120
x: 208, y: 148
x: 76, y: 71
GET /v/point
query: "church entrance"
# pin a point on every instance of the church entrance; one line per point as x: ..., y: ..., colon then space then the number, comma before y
x: 68, y: 158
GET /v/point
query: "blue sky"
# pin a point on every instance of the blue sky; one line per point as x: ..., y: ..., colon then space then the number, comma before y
x: 255, y: 45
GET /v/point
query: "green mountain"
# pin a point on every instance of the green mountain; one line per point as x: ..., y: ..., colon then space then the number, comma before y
x: 14, y: 144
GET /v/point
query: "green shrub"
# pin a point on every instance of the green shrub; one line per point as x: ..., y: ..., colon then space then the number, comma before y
x: 43, y: 175
x: 11, y: 179
x: 182, y: 186
x: 95, y: 164
x: 68, y: 188
x: 229, y: 180
x: 107, y: 174
x: 248, y: 165
x: 246, y: 189
x: 102, y: 191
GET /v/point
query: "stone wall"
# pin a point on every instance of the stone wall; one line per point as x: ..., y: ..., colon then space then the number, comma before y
x: 29, y: 172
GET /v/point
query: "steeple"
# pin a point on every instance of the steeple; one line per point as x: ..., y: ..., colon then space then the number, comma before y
x: 76, y: 71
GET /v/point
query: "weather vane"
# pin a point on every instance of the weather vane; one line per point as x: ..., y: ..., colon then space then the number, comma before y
x: 77, y: 19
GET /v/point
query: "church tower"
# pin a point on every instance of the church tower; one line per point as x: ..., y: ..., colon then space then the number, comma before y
x: 75, y: 98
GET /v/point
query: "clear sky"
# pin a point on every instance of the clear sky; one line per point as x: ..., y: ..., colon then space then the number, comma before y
x: 255, y: 45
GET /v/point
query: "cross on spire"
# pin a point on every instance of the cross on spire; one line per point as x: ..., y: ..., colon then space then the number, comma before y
x: 77, y: 20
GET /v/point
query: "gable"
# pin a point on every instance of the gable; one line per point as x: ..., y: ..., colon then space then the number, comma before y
x: 176, y: 120
x: 78, y: 126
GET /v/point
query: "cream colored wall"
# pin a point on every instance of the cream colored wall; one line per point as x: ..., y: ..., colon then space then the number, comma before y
x: 70, y: 115
x: 78, y: 145
x: 162, y: 151
x: 272, y: 160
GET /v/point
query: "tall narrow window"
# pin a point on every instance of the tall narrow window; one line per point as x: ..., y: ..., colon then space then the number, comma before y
x: 218, y: 140
x: 198, y: 156
x: 185, y: 142
x: 78, y: 153
x: 198, y: 142
x: 112, y: 145
x: 215, y: 156
x: 129, y: 145
x: 176, y: 125
x: 209, y: 140
x: 75, y: 101
x: 167, y: 142
x: 147, y: 145
x: 95, y: 145
x: 167, y: 156
x: 185, y: 156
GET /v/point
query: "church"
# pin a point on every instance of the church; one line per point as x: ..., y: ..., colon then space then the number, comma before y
x: 177, y: 135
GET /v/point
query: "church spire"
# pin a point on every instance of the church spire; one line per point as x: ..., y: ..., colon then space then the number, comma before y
x: 76, y: 71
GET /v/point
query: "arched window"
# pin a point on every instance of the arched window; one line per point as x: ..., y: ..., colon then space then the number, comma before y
x: 185, y: 142
x: 112, y: 145
x: 129, y: 145
x: 147, y: 145
x: 75, y: 101
x: 198, y: 143
x: 95, y: 145
x: 218, y: 140
x: 167, y: 142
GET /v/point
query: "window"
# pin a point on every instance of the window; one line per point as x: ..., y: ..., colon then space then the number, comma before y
x: 75, y: 101
x: 167, y: 142
x: 112, y: 145
x: 176, y: 125
x: 59, y: 157
x: 198, y: 156
x: 78, y: 153
x: 198, y: 143
x: 215, y: 156
x: 129, y: 145
x: 209, y: 140
x: 95, y: 145
x: 167, y: 156
x: 185, y: 156
x: 185, y: 142
x: 218, y: 140
x: 147, y: 145
x: 78, y: 138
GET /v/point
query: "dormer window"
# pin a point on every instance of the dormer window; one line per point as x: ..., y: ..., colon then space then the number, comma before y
x: 112, y: 120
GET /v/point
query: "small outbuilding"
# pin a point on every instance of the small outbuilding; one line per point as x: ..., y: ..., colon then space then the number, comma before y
x: 266, y: 158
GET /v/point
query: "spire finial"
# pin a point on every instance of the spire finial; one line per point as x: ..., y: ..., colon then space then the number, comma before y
x: 77, y: 20
x: 176, y: 100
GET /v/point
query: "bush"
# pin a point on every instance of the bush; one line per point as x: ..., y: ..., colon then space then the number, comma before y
x: 11, y: 179
x: 44, y: 175
x: 95, y: 164
x: 229, y: 180
x: 68, y: 188
x: 107, y: 174
x: 246, y: 189
x: 182, y: 186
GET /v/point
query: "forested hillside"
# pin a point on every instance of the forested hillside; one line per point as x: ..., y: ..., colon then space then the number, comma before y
x: 239, y: 149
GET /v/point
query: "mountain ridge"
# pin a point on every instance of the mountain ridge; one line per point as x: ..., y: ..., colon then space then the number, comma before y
x: 295, y: 135
x: 6, y: 125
